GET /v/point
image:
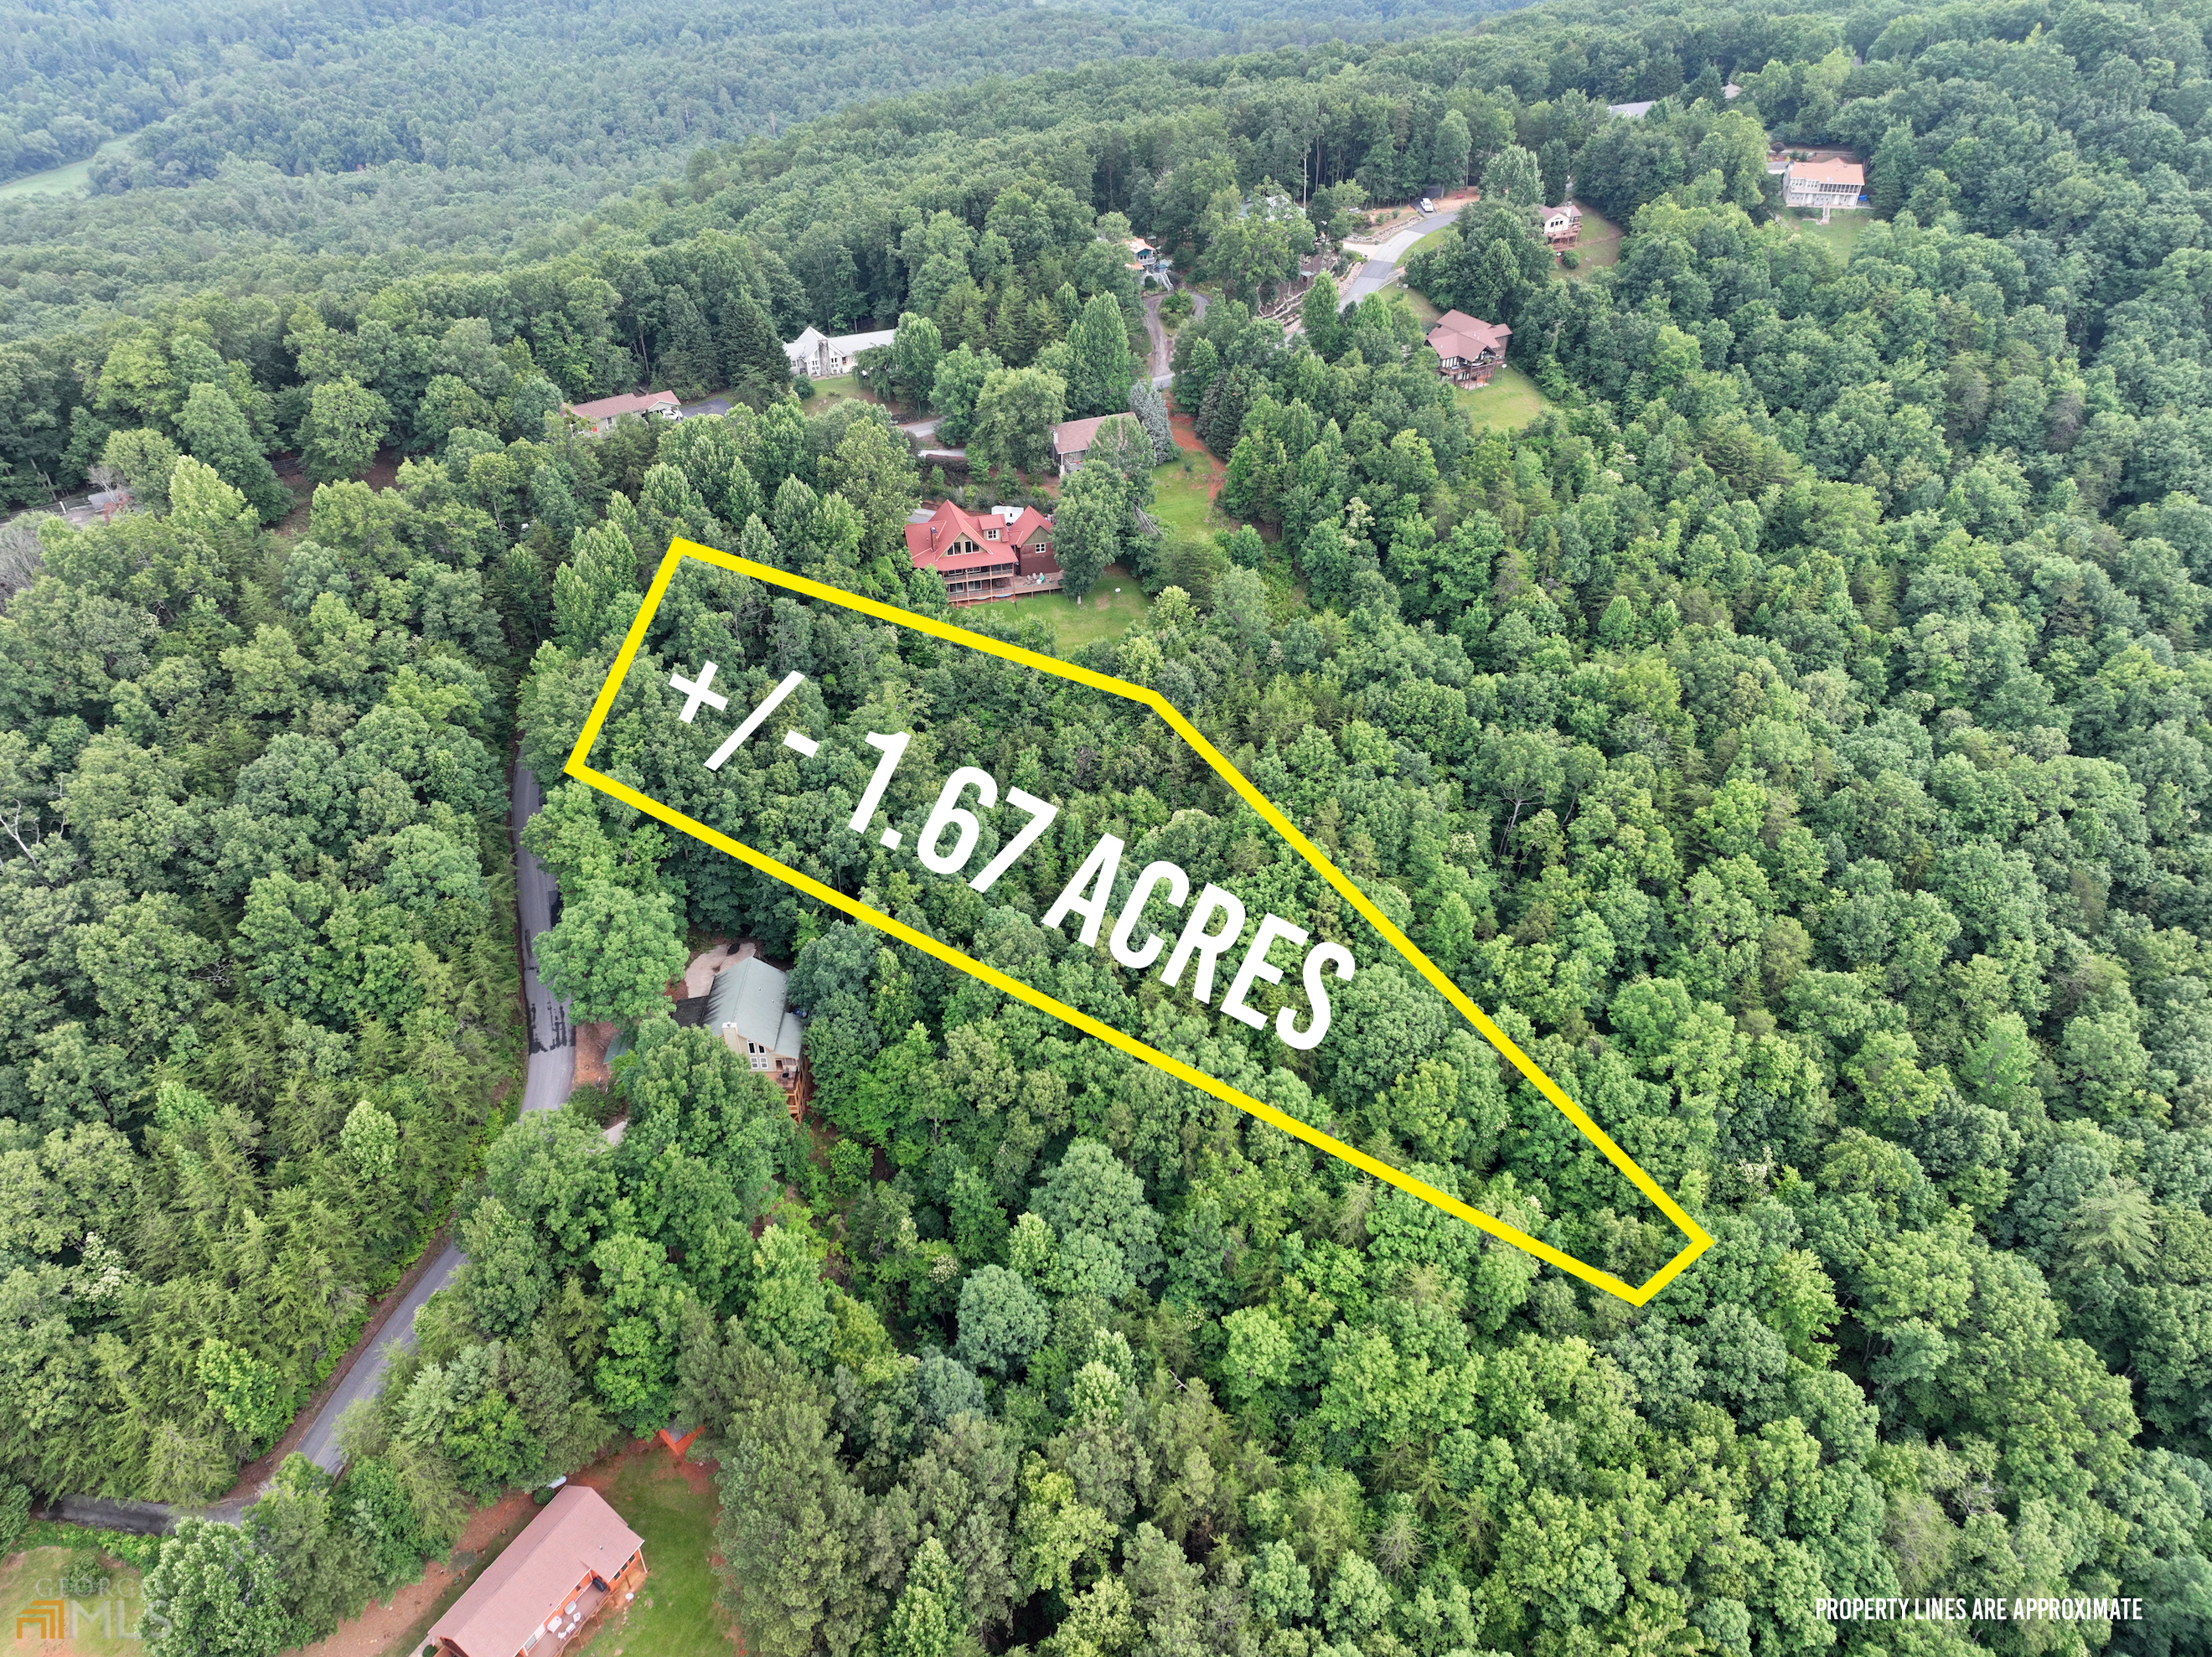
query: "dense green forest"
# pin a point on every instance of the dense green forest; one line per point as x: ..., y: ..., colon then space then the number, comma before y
x: 415, y: 132
x: 1795, y: 737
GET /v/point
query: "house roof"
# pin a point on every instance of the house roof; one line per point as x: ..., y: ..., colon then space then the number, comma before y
x: 1073, y: 436
x: 1836, y: 172
x: 809, y: 339
x: 931, y: 534
x: 1566, y: 210
x: 607, y: 408
x: 1457, y: 334
x: 577, y: 1534
x: 750, y: 996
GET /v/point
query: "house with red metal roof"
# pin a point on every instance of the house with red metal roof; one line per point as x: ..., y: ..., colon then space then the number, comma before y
x: 1469, y: 352
x: 1003, y: 552
x: 602, y: 413
x: 576, y: 1558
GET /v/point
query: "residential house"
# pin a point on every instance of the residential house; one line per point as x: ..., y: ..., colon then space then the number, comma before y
x: 823, y: 357
x: 1072, y: 441
x: 1005, y: 552
x: 602, y: 414
x: 576, y: 1557
x: 1637, y: 111
x: 1563, y: 225
x: 1147, y: 261
x: 746, y: 1006
x: 1469, y: 352
x: 1827, y: 185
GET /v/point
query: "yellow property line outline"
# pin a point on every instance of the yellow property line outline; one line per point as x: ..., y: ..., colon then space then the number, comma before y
x: 679, y: 549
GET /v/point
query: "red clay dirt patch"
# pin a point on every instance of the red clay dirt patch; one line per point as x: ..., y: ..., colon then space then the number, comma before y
x: 592, y: 1042
x: 1186, y: 437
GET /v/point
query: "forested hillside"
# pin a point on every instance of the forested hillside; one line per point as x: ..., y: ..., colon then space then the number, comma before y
x: 1794, y: 736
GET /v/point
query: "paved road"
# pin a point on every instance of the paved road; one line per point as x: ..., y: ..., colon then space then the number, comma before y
x: 1163, y: 352
x: 1382, y: 257
x: 550, y: 1076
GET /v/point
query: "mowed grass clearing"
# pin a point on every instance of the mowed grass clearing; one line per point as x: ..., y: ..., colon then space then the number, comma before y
x: 101, y: 1616
x: 674, y: 1614
x: 1597, y: 245
x: 1105, y: 614
x: 1182, y: 496
x: 1509, y: 402
x: 1839, y: 235
x: 65, y: 181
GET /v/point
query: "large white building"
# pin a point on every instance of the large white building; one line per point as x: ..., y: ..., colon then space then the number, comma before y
x: 1825, y: 184
x: 820, y: 357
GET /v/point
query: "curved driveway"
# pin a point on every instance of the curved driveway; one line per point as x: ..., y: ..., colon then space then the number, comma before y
x: 550, y: 1076
x: 1382, y: 257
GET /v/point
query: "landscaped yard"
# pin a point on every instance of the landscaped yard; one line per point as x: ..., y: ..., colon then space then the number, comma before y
x: 672, y: 1507
x: 844, y: 388
x: 1597, y: 246
x: 1106, y: 614
x: 1418, y: 303
x: 1509, y: 402
x: 64, y: 1599
x: 1839, y: 234
x: 1182, y: 495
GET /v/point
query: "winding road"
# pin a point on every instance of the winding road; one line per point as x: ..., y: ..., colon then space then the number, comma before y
x: 1161, y: 362
x: 547, y: 1084
x: 1382, y: 257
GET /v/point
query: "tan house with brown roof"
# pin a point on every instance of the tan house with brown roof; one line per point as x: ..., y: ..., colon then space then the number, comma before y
x: 602, y: 413
x: 576, y: 1557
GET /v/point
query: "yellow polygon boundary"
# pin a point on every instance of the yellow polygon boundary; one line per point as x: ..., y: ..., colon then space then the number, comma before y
x: 680, y: 549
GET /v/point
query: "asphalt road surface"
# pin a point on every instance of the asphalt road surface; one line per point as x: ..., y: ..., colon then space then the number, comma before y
x: 552, y: 1075
x: 1382, y: 260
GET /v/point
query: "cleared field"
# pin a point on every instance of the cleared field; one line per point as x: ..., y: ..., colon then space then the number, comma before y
x: 1106, y: 614
x: 1598, y: 246
x: 1840, y: 235
x: 65, y: 181
x: 1509, y: 402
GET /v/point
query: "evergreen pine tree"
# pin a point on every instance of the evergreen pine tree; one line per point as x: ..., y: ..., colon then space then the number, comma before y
x: 1102, y: 367
x: 690, y: 364
x: 753, y: 359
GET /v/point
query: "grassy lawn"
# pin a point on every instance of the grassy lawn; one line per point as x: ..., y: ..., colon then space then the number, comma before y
x: 99, y: 1617
x: 1599, y: 246
x: 1182, y: 497
x: 1839, y: 234
x: 1105, y: 614
x: 60, y: 181
x: 1429, y: 240
x: 843, y: 389
x: 1418, y: 304
x: 674, y: 1614
x: 1509, y: 402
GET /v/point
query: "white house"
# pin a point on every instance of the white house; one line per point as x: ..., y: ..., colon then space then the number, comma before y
x: 1825, y: 184
x: 820, y: 356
